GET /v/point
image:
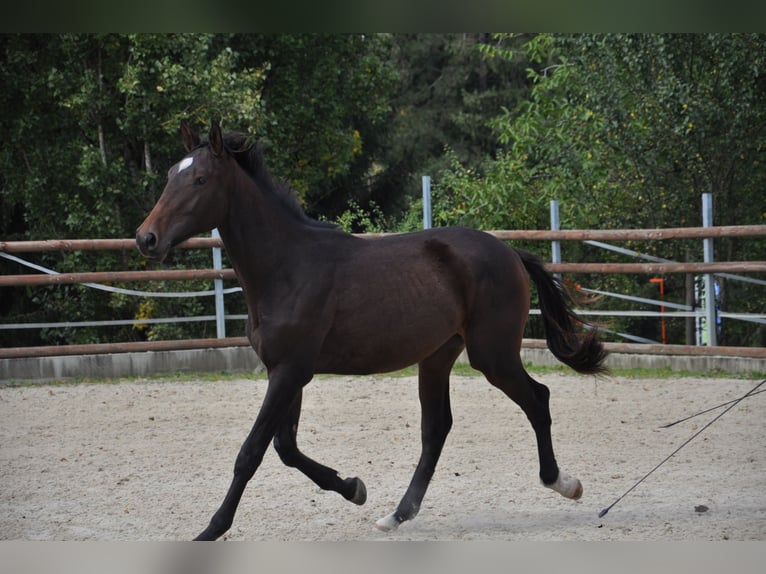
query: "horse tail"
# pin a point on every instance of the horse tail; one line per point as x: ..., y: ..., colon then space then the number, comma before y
x: 583, y: 350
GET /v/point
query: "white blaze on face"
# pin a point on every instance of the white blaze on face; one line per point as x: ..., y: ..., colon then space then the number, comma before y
x: 185, y: 162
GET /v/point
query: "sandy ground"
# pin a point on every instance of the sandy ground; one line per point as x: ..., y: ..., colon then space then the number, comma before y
x: 144, y: 460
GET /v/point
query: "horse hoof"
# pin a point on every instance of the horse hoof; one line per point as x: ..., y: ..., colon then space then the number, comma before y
x: 577, y: 494
x: 387, y: 523
x: 360, y: 494
x: 567, y: 486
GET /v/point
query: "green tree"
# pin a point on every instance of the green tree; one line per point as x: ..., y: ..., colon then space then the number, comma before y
x: 446, y: 94
x: 326, y: 97
x: 629, y: 131
x: 90, y: 128
x: 91, y: 157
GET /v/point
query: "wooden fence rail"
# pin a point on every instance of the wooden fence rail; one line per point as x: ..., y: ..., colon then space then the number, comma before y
x: 515, y: 234
x: 187, y: 344
x: 115, y: 277
x: 186, y: 274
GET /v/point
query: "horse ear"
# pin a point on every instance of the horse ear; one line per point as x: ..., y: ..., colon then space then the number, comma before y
x: 215, y: 138
x: 189, y: 136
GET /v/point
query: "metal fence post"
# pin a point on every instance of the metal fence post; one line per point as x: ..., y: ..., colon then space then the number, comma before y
x: 710, y: 311
x: 426, y: 202
x: 555, y: 226
x: 220, y: 322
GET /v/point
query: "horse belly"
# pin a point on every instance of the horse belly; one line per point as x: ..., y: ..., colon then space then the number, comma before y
x: 389, y: 332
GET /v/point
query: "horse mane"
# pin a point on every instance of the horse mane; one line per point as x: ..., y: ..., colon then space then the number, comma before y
x: 248, y: 152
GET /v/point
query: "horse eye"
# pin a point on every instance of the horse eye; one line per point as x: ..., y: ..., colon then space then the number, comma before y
x: 199, y: 181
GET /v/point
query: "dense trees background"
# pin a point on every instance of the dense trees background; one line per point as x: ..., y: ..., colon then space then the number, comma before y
x: 624, y: 130
x: 628, y: 131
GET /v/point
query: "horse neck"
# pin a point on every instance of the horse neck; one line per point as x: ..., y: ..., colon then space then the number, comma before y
x: 260, y: 234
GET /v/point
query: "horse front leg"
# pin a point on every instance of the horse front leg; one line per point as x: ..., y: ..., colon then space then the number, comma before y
x: 286, y: 445
x: 282, y: 389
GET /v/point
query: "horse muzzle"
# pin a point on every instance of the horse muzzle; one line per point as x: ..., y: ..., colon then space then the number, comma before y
x: 148, y: 244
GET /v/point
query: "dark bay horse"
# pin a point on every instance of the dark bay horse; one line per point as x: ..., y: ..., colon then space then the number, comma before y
x: 324, y: 301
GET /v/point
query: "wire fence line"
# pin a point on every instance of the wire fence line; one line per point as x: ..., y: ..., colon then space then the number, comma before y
x: 120, y: 290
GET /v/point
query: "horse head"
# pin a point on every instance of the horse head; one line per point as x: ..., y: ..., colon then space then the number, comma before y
x: 194, y: 199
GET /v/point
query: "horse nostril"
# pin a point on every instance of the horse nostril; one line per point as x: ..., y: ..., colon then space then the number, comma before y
x: 146, y: 242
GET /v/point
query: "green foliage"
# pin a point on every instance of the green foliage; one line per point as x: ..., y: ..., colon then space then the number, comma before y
x: 487, y: 197
x: 326, y: 97
x: 186, y: 76
x: 630, y: 129
x: 627, y: 131
x: 357, y: 219
x: 448, y: 91
x: 90, y: 128
x: 624, y: 130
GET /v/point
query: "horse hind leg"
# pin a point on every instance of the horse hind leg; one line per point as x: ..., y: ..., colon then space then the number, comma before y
x: 436, y: 422
x: 566, y: 485
x: 286, y: 445
x: 539, y: 415
x: 533, y: 398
